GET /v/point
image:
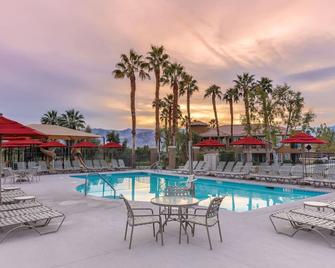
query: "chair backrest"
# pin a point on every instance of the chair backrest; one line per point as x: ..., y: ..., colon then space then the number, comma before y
x: 43, y: 165
x: 89, y: 163
x: 285, y: 170
x: 21, y: 165
x: 67, y: 164
x: 103, y: 163
x: 229, y: 166
x: 238, y: 166
x: 8, y: 172
x: 200, y: 165
x: 115, y: 163
x: 187, y: 165
x: 58, y: 164
x: 96, y: 163
x: 220, y: 166
x: 121, y: 163
x: 130, y: 213
x: 214, y: 206
x: 31, y: 164
x: 195, y: 164
x: 76, y: 164
x: 177, y: 191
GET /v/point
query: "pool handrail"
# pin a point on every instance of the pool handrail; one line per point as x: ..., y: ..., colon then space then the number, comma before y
x: 101, y: 177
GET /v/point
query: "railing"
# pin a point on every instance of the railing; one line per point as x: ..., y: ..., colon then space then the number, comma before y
x: 101, y: 177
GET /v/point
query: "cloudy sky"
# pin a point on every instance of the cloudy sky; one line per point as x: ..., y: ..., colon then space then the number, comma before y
x: 59, y: 54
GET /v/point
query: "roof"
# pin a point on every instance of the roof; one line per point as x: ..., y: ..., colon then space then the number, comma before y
x: 58, y: 132
x: 198, y: 123
x: 238, y: 130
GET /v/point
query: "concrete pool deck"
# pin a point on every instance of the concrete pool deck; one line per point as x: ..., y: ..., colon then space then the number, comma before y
x: 92, y: 236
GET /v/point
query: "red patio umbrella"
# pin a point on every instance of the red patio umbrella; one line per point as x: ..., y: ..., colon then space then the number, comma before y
x: 248, y: 141
x: 303, y: 138
x: 85, y: 144
x: 112, y: 145
x: 21, y: 143
x: 52, y: 144
x: 210, y: 143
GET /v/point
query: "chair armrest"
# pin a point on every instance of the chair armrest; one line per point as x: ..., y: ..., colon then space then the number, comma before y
x: 149, y: 209
x: 201, y: 209
x: 146, y: 215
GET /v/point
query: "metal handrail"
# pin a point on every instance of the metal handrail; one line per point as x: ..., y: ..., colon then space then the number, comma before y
x: 101, y: 177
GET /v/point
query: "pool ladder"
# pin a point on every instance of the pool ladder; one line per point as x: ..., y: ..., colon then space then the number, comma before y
x: 101, y: 176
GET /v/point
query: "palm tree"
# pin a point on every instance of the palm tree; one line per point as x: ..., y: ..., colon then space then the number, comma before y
x: 172, y: 75
x: 166, y: 116
x: 72, y: 119
x: 212, y: 123
x: 214, y: 92
x: 158, y: 60
x: 231, y: 96
x: 245, y: 83
x: 50, y: 118
x: 188, y: 86
x: 128, y: 67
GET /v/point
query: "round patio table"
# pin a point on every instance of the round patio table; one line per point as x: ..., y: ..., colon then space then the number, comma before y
x: 179, y: 202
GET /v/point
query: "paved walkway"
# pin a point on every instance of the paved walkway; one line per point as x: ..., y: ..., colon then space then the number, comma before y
x: 92, y: 236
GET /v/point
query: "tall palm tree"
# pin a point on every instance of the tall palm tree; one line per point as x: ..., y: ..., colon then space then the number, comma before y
x: 188, y: 86
x: 158, y: 60
x: 166, y: 116
x: 50, y: 118
x: 172, y: 75
x: 231, y: 96
x: 214, y: 92
x: 72, y: 119
x: 128, y: 67
x: 245, y: 84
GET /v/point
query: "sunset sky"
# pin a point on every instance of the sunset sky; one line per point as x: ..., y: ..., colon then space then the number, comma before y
x: 59, y: 54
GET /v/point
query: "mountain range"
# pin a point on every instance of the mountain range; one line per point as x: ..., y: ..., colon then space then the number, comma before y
x: 144, y: 136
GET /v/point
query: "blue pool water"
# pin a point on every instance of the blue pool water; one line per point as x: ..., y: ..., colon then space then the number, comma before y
x: 141, y: 186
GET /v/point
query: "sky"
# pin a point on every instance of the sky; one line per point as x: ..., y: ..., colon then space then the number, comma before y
x: 60, y: 54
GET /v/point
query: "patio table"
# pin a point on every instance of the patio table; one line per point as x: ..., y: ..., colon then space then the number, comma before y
x: 179, y: 202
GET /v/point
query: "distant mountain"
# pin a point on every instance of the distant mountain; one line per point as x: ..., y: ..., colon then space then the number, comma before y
x: 143, y: 136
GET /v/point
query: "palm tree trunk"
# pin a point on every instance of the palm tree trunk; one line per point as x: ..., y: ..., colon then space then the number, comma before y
x: 231, y: 120
x: 133, y: 119
x: 175, y: 113
x: 188, y: 100
x: 170, y: 126
x: 247, y: 111
x: 216, y: 116
x: 157, y: 134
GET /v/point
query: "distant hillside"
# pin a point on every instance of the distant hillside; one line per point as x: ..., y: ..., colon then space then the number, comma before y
x: 143, y: 136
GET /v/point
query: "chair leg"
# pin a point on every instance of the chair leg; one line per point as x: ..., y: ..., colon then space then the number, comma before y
x: 193, y: 229
x: 125, y: 233
x: 131, y: 236
x: 209, y: 238
x: 180, y: 233
x: 161, y: 231
x: 153, y: 229
x: 220, y: 231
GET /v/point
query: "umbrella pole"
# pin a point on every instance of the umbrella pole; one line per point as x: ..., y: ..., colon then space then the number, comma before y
x: 0, y: 165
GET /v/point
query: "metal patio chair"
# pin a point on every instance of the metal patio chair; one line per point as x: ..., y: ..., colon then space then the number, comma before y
x: 209, y: 219
x: 134, y: 219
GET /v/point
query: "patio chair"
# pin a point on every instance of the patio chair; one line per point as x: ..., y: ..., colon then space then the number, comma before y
x: 32, y: 164
x: 33, y: 218
x: 204, y: 170
x: 208, y: 219
x: 20, y: 166
x: 8, y: 197
x: 302, y: 219
x: 15, y: 177
x: 134, y: 219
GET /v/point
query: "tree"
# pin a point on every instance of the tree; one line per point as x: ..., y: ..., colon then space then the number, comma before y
x: 88, y: 129
x: 188, y: 86
x: 307, y: 118
x: 212, y: 123
x: 214, y: 92
x: 158, y: 60
x: 113, y: 136
x: 231, y: 96
x: 72, y: 119
x: 50, y: 118
x: 128, y: 67
x: 245, y: 84
x: 172, y: 75
x: 166, y: 117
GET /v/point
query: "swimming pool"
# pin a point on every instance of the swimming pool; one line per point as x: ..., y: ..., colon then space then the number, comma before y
x: 142, y: 186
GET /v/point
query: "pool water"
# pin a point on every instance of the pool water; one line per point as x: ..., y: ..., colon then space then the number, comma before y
x: 141, y: 186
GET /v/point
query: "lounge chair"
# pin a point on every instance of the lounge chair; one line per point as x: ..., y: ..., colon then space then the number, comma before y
x: 104, y: 165
x: 199, y: 166
x: 302, y: 219
x: 185, y: 167
x: 67, y: 166
x: 8, y: 197
x: 115, y: 164
x: 134, y: 219
x: 77, y: 166
x: 235, y: 170
x: 219, y: 168
x: 58, y: 166
x: 244, y: 172
x: 97, y: 165
x: 122, y: 164
x: 21, y: 205
x: 185, y: 171
x: 204, y: 170
x: 33, y: 218
x: 43, y: 168
x: 228, y: 168
x: 209, y: 218
x: 89, y: 165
